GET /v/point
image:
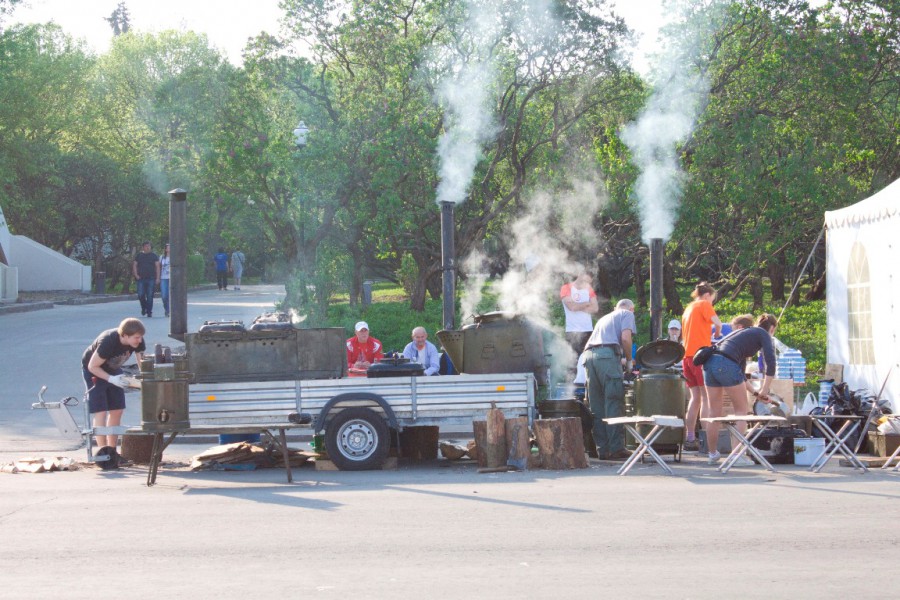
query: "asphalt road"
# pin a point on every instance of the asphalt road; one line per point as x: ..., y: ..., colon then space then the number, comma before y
x: 426, y: 530
x: 44, y: 347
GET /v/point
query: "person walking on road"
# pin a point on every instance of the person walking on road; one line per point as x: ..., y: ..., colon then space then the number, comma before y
x: 609, y: 358
x: 237, y: 267
x: 101, y: 366
x: 165, y: 264
x: 145, y: 269
x: 222, y: 266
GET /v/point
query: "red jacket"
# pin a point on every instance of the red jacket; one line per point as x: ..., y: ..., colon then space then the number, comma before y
x: 371, y: 350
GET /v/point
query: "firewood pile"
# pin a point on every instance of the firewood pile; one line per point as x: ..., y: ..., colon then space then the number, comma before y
x: 244, y: 456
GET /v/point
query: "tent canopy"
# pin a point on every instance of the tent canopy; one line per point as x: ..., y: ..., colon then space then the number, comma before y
x: 863, y: 292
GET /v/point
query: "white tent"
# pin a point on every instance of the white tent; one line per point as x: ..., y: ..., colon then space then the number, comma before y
x: 863, y: 282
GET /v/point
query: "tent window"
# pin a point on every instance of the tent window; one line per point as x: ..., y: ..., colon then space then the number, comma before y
x: 859, y: 306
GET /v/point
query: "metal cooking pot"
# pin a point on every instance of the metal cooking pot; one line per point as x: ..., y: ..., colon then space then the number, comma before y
x: 776, y: 407
x: 660, y: 388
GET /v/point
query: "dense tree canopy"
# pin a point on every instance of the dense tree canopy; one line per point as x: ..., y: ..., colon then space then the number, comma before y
x: 497, y: 104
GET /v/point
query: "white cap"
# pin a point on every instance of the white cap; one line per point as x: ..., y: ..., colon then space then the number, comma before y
x: 674, y: 324
x: 361, y: 325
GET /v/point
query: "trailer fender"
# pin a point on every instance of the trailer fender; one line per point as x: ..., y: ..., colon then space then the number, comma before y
x: 355, y: 397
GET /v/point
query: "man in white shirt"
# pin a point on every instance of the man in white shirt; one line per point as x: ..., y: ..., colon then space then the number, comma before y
x: 421, y: 351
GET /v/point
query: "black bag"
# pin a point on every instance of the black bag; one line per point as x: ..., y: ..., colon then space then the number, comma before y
x: 703, y: 354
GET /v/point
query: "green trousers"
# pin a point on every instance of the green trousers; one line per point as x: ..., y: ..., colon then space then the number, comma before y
x: 606, y: 393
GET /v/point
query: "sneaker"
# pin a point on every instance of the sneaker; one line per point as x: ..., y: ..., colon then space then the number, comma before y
x: 143, y: 312
x: 691, y: 445
x: 149, y: 315
x: 714, y: 459
x: 743, y: 461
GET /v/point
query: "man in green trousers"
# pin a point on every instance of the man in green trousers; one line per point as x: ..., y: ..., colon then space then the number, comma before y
x: 609, y: 357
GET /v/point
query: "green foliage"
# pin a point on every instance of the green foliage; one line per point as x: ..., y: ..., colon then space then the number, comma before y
x: 802, y: 327
x: 390, y: 320
x: 408, y: 273
x: 196, y: 269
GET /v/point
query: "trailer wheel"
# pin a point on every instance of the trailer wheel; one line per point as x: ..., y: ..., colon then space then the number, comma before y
x: 357, y: 439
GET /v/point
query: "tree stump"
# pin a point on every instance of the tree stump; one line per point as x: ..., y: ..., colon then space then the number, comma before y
x: 560, y: 443
x: 495, y: 439
x: 419, y: 443
x: 137, y: 448
x: 517, y: 441
x: 479, y: 430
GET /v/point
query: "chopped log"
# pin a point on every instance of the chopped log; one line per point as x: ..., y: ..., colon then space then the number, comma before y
x: 419, y: 443
x: 560, y: 443
x: 479, y: 429
x: 472, y: 450
x: 517, y: 441
x: 137, y: 448
x: 503, y: 469
x: 452, y: 451
x: 495, y: 439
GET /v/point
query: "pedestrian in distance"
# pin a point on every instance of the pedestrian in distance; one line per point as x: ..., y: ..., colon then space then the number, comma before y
x: 222, y: 266
x: 237, y: 267
x: 146, y: 271
x: 101, y: 366
x: 421, y: 351
x: 165, y: 265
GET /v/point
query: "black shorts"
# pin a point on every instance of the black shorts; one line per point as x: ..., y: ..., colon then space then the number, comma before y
x: 103, y: 396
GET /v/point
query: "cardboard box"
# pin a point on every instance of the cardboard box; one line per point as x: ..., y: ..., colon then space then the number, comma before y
x: 883, y: 445
x: 834, y: 371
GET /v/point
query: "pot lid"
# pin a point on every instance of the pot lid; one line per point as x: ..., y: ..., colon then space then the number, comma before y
x: 659, y: 354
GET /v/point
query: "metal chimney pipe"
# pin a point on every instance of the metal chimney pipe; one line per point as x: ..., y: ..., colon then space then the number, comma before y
x: 656, y: 288
x: 448, y: 263
x: 178, y: 264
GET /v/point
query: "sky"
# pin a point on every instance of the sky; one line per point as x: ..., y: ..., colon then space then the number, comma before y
x: 229, y: 23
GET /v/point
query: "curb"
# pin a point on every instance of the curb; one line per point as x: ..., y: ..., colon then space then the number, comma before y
x: 31, y: 306
x: 20, y: 307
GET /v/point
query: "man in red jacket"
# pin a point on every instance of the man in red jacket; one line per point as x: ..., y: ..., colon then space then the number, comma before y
x: 362, y: 350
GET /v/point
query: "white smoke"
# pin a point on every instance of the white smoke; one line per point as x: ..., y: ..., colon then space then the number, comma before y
x: 667, y: 121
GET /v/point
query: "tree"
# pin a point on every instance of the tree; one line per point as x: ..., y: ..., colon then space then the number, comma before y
x: 119, y: 20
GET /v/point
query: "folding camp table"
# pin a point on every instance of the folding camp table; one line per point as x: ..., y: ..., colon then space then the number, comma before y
x: 645, y: 444
x: 894, y: 421
x: 757, y: 424
x: 836, y: 441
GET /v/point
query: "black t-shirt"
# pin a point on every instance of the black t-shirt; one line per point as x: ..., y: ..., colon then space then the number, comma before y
x: 742, y: 344
x: 146, y: 264
x: 110, y: 347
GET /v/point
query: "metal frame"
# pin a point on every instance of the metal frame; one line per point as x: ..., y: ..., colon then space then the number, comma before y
x: 645, y: 444
x: 837, y: 440
x: 745, y: 441
x: 894, y: 421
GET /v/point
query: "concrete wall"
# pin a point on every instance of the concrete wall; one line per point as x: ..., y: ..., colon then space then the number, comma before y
x: 42, y: 269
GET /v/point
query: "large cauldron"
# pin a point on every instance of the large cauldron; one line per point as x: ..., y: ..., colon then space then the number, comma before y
x: 660, y: 388
x: 498, y: 342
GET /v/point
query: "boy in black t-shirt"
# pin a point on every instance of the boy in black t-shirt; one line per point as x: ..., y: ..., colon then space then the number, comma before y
x: 101, y: 366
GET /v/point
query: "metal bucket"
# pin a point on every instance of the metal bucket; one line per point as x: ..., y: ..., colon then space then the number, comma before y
x: 660, y: 393
x: 660, y: 388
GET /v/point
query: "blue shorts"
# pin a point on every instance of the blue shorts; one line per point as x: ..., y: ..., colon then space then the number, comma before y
x: 103, y: 396
x: 721, y: 371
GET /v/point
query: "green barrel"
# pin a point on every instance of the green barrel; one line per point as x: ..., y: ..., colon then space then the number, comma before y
x: 660, y: 389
